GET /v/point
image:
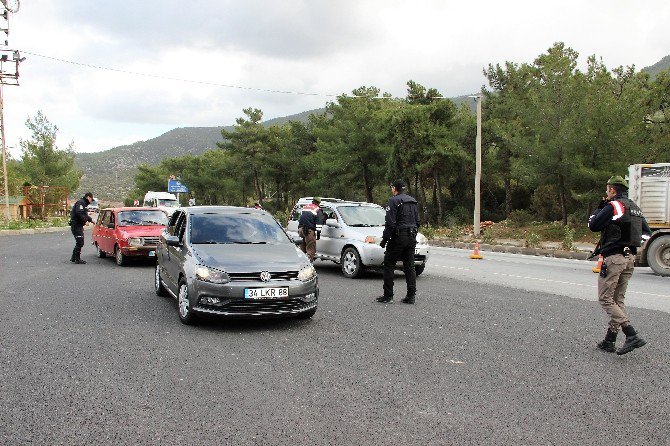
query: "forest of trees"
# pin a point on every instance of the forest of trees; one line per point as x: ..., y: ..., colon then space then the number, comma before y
x: 552, y: 135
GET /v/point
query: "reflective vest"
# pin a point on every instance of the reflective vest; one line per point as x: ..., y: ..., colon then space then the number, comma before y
x: 625, y: 230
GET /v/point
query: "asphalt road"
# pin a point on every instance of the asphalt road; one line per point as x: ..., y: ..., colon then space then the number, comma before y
x: 90, y: 355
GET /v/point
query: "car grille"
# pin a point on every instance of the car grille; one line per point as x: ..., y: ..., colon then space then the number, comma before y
x: 256, y: 277
x: 260, y: 307
x: 150, y: 241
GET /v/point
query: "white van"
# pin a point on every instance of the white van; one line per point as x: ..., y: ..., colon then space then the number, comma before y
x: 165, y: 201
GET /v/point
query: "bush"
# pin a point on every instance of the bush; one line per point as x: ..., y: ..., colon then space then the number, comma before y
x: 487, y: 237
x: 546, y: 204
x: 532, y: 240
x: 520, y: 217
x: 568, y: 238
x: 428, y: 230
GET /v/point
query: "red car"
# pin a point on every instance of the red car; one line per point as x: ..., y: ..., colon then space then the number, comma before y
x: 128, y: 232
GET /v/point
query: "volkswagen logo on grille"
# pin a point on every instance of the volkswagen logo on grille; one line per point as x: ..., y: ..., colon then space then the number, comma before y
x: 265, y: 276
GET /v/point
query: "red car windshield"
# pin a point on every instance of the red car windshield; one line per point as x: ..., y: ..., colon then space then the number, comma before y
x: 142, y: 218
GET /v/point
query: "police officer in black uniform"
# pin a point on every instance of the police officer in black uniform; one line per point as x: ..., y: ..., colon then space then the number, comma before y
x: 399, y: 239
x: 78, y: 219
x: 622, y: 228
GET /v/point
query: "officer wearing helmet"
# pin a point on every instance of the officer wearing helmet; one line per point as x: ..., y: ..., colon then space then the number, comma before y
x: 400, y: 229
x: 622, y: 229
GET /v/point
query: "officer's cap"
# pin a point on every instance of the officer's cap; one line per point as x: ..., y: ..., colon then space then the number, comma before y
x: 399, y: 185
x: 316, y: 200
x: 88, y: 194
x: 618, y: 179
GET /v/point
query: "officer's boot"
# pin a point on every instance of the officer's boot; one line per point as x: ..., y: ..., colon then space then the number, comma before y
x: 608, y: 343
x: 409, y: 299
x: 78, y: 259
x: 633, y: 340
x: 73, y: 258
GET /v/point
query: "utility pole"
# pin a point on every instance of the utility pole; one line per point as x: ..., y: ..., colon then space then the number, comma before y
x: 8, y: 76
x: 478, y: 168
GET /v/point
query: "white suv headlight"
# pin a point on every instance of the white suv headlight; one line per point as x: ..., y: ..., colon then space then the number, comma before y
x: 307, y: 273
x: 211, y: 275
x: 136, y: 241
x: 421, y: 239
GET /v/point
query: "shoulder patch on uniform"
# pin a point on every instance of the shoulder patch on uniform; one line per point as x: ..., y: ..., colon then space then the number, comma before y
x: 619, y: 209
x: 388, y: 208
x: 81, y: 206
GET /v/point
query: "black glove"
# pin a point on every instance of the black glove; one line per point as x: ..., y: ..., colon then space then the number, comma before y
x: 603, y: 203
x: 383, y: 243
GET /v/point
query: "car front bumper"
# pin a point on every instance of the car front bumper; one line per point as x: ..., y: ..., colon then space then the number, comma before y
x: 303, y: 296
x: 139, y: 251
x: 372, y: 255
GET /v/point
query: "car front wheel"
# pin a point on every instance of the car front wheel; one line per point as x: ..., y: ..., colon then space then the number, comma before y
x: 120, y: 258
x: 186, y: 315
x: 352, y: 266
x: 419, y: 269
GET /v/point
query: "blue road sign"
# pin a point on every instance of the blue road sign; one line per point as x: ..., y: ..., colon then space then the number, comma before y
x: 176, y: 186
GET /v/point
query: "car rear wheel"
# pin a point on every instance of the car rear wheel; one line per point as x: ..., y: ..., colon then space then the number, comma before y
x: 352, y: 266
x: 120, y: 258
x: 99, y: 252
x: 184, y: 310
x: 419, y: 269
x: 158, y: 284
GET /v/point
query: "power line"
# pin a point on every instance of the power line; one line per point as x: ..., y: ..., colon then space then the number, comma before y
x: 155, y: 76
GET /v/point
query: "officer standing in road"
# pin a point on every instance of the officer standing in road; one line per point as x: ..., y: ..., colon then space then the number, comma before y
x: 622, y: 228
x: 399, y: 239
x: 311, y: 218
x: 78, y: 219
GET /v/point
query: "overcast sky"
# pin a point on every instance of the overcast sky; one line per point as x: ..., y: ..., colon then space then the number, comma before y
x: 323, y: 48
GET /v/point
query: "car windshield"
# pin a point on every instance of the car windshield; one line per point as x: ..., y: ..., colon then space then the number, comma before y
x: 362, y: 216
x: 243, y: 228
x: 142, y: 218
x: 168, y: 202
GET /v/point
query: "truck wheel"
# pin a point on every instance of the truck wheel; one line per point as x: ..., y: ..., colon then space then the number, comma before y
x: 658, y: 255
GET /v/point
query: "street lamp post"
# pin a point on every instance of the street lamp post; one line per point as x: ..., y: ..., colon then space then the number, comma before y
x: 478, y: 164
x: 4, y: 157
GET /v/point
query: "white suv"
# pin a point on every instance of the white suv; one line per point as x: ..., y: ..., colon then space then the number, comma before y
x: 351, y: 234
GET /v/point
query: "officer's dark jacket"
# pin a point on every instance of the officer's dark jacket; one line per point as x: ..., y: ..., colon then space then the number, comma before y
x: 402, y: 212
x: 78, y: 215
x: 621, y: 224
x: 310, y: 217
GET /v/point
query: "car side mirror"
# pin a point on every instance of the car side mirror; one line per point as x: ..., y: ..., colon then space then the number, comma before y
x: 296, y: 240
x: 110, y: 225
x: 172, y: 240
x: 331, y: 222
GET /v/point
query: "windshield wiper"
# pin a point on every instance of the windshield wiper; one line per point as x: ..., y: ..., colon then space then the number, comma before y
x: 248, y: 243
x: 207, y: 242
x: 132, y: 222
x: 361, y: 225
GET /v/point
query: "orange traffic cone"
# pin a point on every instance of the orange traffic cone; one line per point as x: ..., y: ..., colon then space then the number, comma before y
x: 476, y: 255
x: 596, y: 269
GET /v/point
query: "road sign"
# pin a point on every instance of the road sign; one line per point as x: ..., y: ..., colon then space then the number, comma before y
x: 176, y: 186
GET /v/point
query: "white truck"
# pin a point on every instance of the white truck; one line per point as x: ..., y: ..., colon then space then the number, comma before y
x: 649, y: 188
x: 164, y: 201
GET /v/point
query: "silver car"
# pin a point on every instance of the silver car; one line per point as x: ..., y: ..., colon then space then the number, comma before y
x: 351, y: 234
x: 234, y: 262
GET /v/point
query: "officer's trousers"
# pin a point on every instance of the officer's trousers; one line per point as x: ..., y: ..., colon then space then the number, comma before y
x: 78, y: 233
x: 400, y: 247
x: 612, y: 288
x: 308, y: 245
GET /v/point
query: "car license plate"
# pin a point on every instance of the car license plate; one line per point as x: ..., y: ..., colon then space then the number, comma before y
x: 152, y: 253
x: 266, y: 293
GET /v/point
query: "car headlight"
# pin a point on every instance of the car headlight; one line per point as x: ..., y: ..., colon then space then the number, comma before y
x: 211, y: 275
x: 307, y: 273
x: 136, y: 241
x: 373, y: 239
x: 421, y: 239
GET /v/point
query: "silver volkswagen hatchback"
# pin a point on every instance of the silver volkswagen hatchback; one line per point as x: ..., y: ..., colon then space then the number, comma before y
x: 351, y: 234
x: 234, y: 262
